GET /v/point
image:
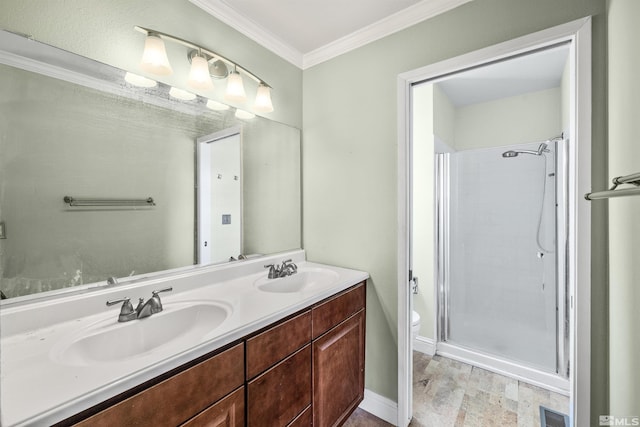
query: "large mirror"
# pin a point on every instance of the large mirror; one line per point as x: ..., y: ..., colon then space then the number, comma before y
x: 61, y: 138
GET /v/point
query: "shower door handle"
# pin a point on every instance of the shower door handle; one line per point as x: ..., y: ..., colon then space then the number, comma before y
x: 414, y: 285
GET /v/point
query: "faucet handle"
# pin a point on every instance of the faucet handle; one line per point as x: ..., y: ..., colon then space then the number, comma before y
x: 125, y: 300
x: 126, y: 312
x: 157, y: 307
x: 155, y: 293
x: 273, y: 271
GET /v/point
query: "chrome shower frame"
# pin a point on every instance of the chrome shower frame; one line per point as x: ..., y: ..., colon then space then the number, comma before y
x: 441, y: 233
x: 442, y: 267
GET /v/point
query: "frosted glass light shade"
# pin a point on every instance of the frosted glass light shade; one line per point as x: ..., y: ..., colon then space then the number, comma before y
x: 139, y: 81
x: 199, y: 77
x: 182, y: 94
x: 154, y: 58
x: 242, y: 114
x: 235, y: 88
x: 263, y: 102
x: 217, y: 106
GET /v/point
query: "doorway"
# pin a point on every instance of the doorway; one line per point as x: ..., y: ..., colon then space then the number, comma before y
x: 577, y: 36
x: 219, y: 196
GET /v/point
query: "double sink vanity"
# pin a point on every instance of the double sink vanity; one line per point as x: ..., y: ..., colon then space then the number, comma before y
x: 230, y: 347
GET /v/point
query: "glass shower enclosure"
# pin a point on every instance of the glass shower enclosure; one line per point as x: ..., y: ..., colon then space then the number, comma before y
x: 500, y: 253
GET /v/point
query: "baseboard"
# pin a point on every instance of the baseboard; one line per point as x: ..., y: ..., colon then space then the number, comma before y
x: 424, y: 345
x: 380, y: 406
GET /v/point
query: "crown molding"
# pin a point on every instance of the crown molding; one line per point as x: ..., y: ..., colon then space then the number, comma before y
x: 391, y: 24
x: 238, y: 22
x: 398, y: 21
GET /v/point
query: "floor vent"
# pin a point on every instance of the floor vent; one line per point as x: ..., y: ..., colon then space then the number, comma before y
x: 551, y: 418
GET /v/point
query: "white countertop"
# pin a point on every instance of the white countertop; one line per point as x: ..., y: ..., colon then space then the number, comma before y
x: 37, y: 388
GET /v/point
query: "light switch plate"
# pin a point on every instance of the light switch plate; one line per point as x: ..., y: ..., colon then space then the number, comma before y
x: 226, y: 219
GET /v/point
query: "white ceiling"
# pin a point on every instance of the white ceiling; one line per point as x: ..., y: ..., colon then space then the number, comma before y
x: 307, y: 32
x: 529, y: 73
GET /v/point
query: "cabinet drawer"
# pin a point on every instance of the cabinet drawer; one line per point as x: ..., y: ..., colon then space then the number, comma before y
x: 273, y: 345
x: 304, y: 419
x: 176, y: 399
x: 328, y: 314
x: 229, y: 412
x: 282, y: 392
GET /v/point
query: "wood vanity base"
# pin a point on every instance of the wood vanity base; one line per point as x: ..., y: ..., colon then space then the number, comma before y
x: 307, y: 369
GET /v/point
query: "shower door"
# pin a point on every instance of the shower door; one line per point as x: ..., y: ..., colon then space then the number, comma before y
x: 499, y: 284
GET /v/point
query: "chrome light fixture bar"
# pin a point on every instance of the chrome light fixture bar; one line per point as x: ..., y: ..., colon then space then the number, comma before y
x: 205, y: 64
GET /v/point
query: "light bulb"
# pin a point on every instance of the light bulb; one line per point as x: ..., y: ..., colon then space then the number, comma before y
x: 182, y: 94
x: 199, y: 77
x: 263, y: 102
x: 140, y: 81
x: 154, y: 58
x: 242, y: 114
x: 235, y: 88
x: 217, y: 106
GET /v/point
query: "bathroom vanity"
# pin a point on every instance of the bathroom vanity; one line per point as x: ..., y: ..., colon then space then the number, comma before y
x: 286, y: 351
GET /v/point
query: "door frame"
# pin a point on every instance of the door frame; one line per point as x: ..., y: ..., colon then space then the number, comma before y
x: 578, y: 33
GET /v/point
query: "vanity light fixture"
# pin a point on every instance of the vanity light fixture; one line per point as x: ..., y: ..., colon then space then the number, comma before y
x: 182, y: 94
x: 199, y: 77
x: 139, y: 81
x: 235, y: 88
x: 263, y: 100
x: 205, y: 64
x: 154, y: 57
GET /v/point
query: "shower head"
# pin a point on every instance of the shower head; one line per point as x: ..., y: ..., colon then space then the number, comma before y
x: 542, y: 148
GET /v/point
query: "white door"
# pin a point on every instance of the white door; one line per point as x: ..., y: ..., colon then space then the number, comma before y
x: 219, y: 196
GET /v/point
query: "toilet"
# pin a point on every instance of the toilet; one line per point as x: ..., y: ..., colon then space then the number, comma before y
x: 415, y: 324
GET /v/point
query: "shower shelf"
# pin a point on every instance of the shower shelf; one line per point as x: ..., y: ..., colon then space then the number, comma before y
x: 72, y: 201
x: 614, y: 191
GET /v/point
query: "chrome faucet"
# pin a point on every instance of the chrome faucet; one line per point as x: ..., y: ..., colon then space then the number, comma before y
x: 286, y: 269
x: 144, y: 309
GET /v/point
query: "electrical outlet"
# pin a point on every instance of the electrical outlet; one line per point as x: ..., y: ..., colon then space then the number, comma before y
x: 226, y: 219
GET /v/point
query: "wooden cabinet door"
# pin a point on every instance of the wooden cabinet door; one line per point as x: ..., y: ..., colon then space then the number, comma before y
x: 338, y: 372
x: 228, y: 412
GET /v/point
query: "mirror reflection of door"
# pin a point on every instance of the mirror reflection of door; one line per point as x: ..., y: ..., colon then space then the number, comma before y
x: 219, y: 193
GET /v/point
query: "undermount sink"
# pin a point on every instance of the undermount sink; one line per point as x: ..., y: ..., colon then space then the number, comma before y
x: 302, y: 280
x: 180, y: 325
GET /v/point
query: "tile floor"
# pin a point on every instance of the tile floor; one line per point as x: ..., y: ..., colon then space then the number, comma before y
x: 447, y: 393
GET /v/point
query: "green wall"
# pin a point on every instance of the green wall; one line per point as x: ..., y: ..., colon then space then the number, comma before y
x: 349, y: 158
x: 624, y: 224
